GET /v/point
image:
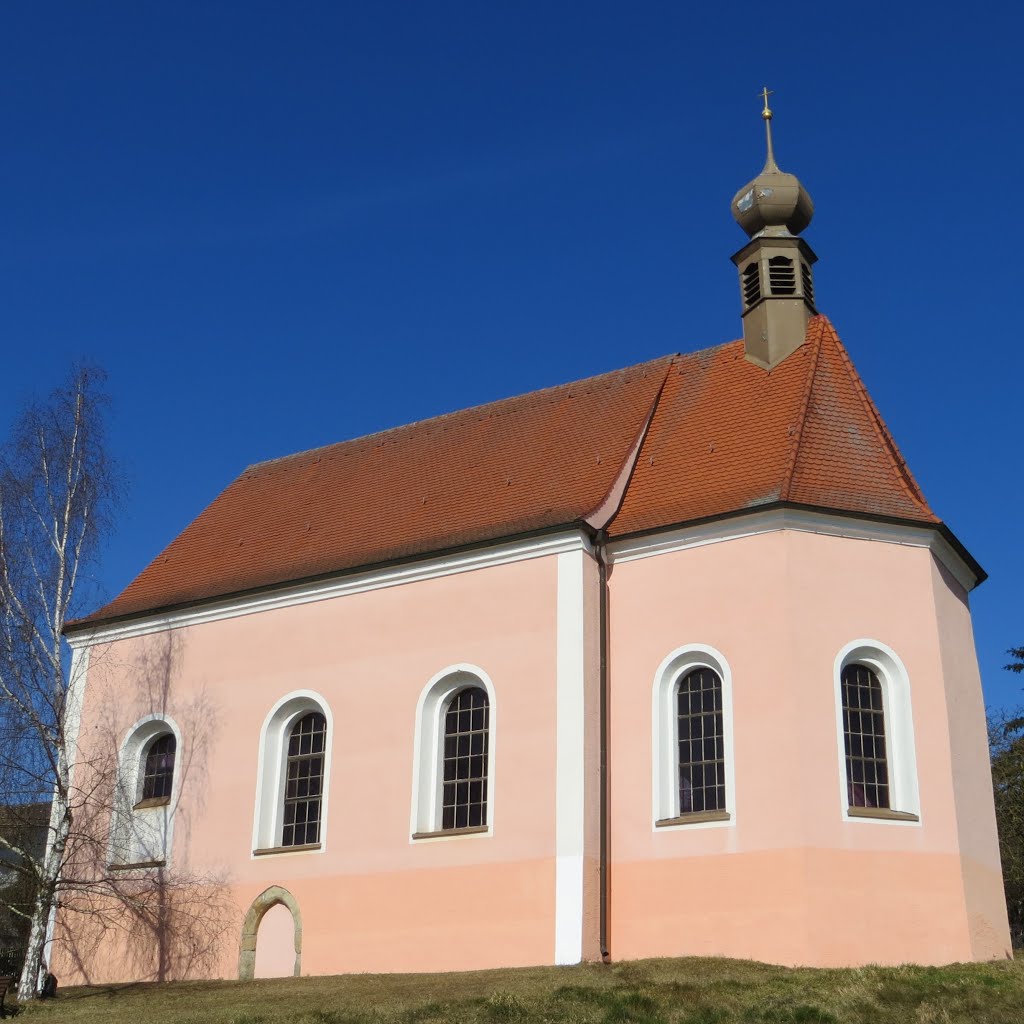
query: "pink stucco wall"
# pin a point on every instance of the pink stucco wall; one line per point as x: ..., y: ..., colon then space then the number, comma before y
x: 972, y: 781
x: 371, y: 900
x: 275, y: 948
x: 789, y: 880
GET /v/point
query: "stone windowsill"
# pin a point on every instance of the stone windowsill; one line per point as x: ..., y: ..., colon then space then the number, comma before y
x: 693, y: 818
x: 471, y: 830
x: 881, y: 814
x: 269, y: 851
x: 140, y: 865
x: 152, y: 801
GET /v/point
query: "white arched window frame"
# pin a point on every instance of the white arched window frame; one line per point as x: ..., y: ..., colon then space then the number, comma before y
x: 142, y: 833
x: 425, y: 819
x: 268, y: 818
x: 665, y: 740
x: 904, y: 799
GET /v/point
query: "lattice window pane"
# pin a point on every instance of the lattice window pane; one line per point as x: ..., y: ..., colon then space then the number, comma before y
x: 158, y: 771
x: 701, y: 742
x: 304, y: 780
x: 464, y: 768
x: 867, y: 768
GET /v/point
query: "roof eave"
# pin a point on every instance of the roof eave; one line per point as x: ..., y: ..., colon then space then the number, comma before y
x: 79, y: 627
x: 970, y: 563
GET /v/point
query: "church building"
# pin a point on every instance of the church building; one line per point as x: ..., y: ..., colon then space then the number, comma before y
x: 673, y: 661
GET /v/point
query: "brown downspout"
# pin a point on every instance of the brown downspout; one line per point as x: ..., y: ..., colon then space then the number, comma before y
x: 598, y: 521
x: 602, y: 569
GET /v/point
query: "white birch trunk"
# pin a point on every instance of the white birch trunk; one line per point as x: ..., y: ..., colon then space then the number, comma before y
x: 33, y: 974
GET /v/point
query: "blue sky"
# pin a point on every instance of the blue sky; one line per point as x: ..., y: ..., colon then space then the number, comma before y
x: 282, y: 225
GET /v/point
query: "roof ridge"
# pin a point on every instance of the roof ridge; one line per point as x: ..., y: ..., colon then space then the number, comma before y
x: 889, y: 445
x: 805, y: 403
x: 482, y: 408
x: 621, y: 480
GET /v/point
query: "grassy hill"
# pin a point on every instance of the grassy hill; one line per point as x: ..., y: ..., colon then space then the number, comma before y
x: 690, y: 991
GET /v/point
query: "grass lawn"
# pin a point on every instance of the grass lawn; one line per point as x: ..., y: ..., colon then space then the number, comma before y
x: 690, y: 991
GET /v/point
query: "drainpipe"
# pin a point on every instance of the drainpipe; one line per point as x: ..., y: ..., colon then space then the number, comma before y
x: 598, y: 522
x: 600, y: 551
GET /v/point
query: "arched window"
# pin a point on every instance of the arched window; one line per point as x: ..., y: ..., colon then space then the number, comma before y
x: 781, y: 276
x: 751, y: 283
x: 701, y: 741
x: 147, y: 789
x: 158, y: 768
x: 867, y: 767
x: 293, y: 776
x: 875, y: 734
x: 304, y: 780
x: 692, y: 782
x: 464, y: 776
x: 453, y: 756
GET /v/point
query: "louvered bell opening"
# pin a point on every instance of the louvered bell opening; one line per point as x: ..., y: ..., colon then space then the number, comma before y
x: 781, y: 276
x: 805, y: 273
x: 751, y: 284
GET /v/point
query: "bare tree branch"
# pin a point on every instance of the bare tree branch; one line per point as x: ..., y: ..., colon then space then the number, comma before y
x: 58, y: 489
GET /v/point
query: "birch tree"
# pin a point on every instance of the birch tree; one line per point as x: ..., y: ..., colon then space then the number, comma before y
x: 58, y: 490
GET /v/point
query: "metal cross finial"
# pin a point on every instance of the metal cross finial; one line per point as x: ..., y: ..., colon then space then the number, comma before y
x: 770, y: 164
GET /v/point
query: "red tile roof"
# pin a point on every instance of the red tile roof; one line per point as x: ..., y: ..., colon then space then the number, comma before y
x: 728, y: 436
x: 725, y: 435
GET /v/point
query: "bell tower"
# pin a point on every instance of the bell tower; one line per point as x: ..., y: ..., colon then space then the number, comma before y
x: 776, y: 281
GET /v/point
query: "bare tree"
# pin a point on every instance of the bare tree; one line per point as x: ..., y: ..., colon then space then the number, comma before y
x: 58, y: 489
x: 165, y: 922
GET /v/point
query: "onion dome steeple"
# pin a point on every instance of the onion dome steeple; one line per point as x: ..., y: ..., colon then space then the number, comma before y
x: 776, y: 283
x: 774, y: 203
